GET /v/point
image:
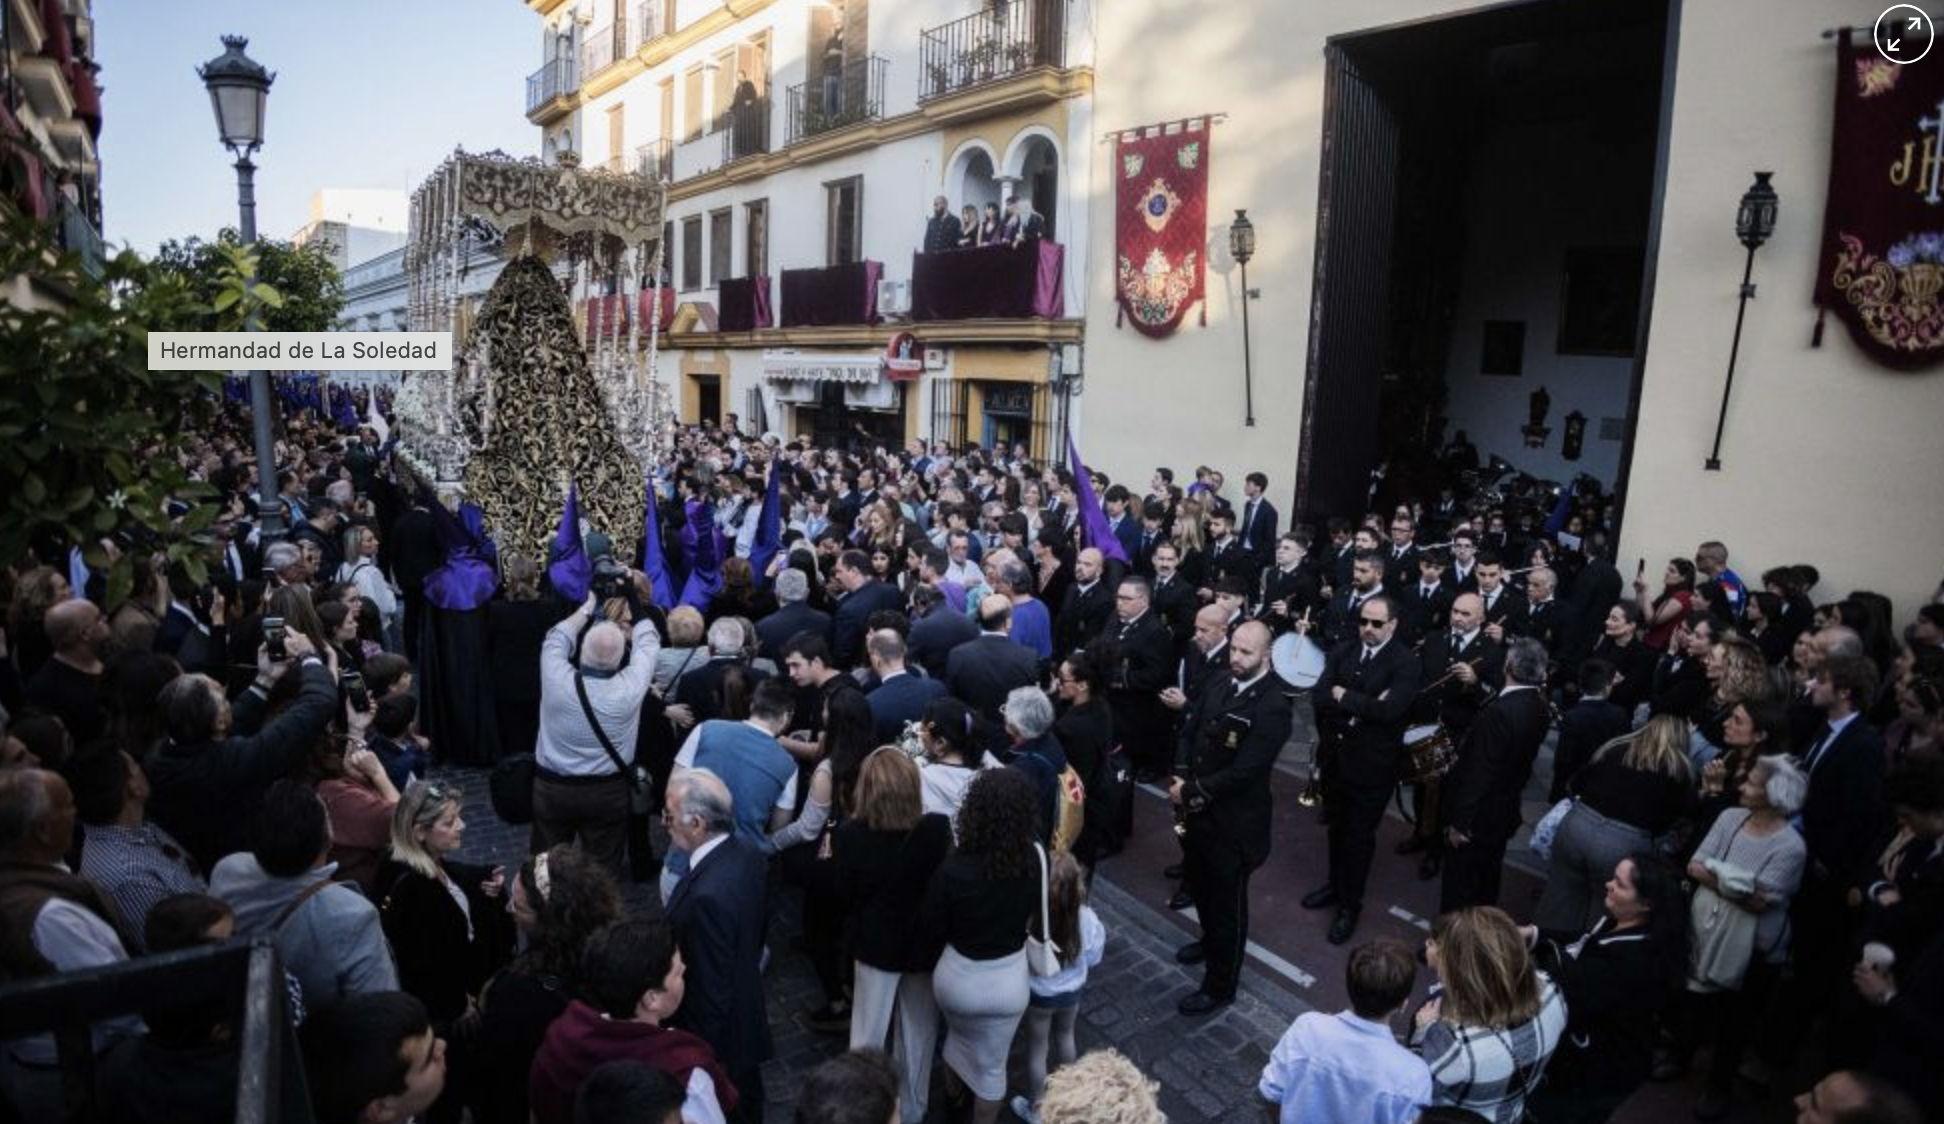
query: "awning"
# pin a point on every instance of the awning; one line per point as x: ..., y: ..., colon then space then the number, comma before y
x: 812, y: 366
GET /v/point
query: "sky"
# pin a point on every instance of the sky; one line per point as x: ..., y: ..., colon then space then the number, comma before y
x: 368, y: 94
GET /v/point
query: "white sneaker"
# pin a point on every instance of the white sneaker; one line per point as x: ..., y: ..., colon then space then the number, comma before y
x: 1023, y: 1108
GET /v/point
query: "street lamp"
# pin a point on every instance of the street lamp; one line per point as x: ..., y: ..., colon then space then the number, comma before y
x: 1754, y: 222
x: 1242, y: 248
x: 238, y: 88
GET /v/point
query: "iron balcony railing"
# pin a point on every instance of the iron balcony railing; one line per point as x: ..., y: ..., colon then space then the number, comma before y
x: 845, y: 98
x: 80, y: 236
x: 647, y: 22
x: 745, y: 130
x: 601, y: 47
x: 656, y: 160
x: 990, y: 45
x: 549, y: 82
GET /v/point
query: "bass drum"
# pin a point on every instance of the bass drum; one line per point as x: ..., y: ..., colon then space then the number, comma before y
x: 1297, y: 659
x: 1428, y: 754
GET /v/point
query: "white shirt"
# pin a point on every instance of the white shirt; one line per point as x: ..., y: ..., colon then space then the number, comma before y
x: 1343, y: 1067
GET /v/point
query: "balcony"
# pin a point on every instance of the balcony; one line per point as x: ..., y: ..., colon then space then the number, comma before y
x: 990, y: 45
x: 990, y: 282
x: 554, y: 80
x: 837, y: 100
x: 46, y: 85
x: 656, y: 160
x: 79, y: 236
x: 25, y: 28
x: 745, y: 130
x: 834, y: 295
x: 602, y: 48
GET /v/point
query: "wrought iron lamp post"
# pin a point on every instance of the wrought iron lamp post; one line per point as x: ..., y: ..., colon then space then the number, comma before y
x: 239, y: 87
x: 1754, y: 222
x: 1242, y: 246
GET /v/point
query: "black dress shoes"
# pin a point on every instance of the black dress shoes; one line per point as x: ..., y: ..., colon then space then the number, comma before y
x: 1202, y: 1003
x: 1344, y: 927
x: 1412, y: 845
x: 1182, y: 900
x: 1190, y: 953
x: 1323, y: 897
x: 1171, y: 871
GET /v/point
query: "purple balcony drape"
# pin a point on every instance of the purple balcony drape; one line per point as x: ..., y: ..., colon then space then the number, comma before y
x: 743, y: 304
x: 838, y: 294
x: 989, y: 282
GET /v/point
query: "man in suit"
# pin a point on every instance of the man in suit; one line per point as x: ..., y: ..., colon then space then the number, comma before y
x: 1207, y: 658
x: 1426, y: 602
x: 1288, y: 590
x: 1022, y: 222
x: 1481, y: 797
x: 936, y: 630
x: 1366, y: 580
x: 981, y: 672
x: 900, y: 697
x: 1239, y: 727
x: 1088, y: 604
x: 1172, y: 598
x: 1461, y: 668
x: 1589, y: 724
x: 1226, y: 556
x: 1123, y: 519
x: 942, y: 229
x: 1593, y: 591
x: 1362, y: 702
x: 1400, y: 557
x: 863, y: 595
x: 1152, y: 533
x: 793, y: 615
x: 1545, y: 613
x: 1143, y: 664
x: 1257, y: 527
x: 1505, y: 607
x: 719, y: 913
x: 700, y: 688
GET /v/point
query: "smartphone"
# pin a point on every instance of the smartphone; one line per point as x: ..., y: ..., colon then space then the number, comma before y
x: 1641, y: 572
x: 353, y: 685
x: 273, y: 638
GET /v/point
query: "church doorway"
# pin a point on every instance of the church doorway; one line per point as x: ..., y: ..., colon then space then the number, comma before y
x: 1488, y: 216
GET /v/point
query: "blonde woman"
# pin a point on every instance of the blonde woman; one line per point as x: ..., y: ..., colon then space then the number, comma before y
x: 446, y: 920
x: 1191, y: 540
x: 360, y: 568
x: 1488, y: 1034
x: 1737, y: 673
x: 1634, y: 791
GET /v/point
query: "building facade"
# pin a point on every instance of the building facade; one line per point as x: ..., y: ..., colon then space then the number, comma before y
x: 350, y: 226
x: 803, y: 144
x: 50, y: 120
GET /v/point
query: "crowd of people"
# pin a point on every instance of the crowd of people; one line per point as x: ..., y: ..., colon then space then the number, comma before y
x: 921, y: 689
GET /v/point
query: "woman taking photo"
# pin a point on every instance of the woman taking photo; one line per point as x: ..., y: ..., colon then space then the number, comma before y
x: 976, y: 909
x: 559, y: 899
x: 359, y: 800
x: 1488, y: 1032
x: 884, y: 855
x: 1617, y: 979
x: 1634, y: 791
x: 1750, y: 866
x: 1667, y: 610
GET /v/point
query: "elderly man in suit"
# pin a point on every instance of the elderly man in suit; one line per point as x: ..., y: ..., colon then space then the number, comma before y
x: 900, y: 697
x: 793, y: 615
x: 982, y: 672
x: 719, y: 913
x: 1231, y: 743
x: 1362, y: 702
x: 1481, y: 796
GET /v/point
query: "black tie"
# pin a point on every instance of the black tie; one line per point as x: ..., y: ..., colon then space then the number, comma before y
x: 1457, y: 642
x: 1367, y: 653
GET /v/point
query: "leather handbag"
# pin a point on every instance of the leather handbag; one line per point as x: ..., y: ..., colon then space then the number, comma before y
x: 1043, y: 956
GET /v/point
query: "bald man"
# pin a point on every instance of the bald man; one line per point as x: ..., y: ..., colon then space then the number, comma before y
x: 1222, y: 793
x: 69, y: 685
x: 982, y: 672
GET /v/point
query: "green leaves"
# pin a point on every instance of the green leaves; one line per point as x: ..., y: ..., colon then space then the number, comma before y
x: 286, y: 288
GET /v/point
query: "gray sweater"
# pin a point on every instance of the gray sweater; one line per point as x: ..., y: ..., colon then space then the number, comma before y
x: 333, y: 943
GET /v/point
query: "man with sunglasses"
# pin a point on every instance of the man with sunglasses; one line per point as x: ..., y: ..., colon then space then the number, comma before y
x: 1362, y: 702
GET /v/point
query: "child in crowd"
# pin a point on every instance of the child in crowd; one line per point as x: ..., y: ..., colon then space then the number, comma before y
x: 1055, y: 1003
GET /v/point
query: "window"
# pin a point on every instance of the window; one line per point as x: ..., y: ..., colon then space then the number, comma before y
x: 844, y: 221
x: 756, y: 238
x: 617, y: 131
x: 721, y: 232
x: 665, y: 94
x: 692, y: 252
x: 692, y: 117
x: 722, y: 84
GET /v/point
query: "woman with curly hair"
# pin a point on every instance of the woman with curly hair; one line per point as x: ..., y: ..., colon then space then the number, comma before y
x: 35, y: 592
x: 1103, y: 1087
x: 976, y: 909
x: 1737, y: 673
x: 560, y: 898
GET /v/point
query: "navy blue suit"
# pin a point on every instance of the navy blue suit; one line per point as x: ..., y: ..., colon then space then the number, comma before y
x: 720, y: 913
x: 847, y: 626
x: 898, y: 700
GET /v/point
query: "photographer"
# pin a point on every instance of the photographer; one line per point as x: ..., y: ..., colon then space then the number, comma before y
x: 593, y: 681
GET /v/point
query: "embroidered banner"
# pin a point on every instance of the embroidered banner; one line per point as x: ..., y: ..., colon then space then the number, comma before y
x: 1161, y: 223
x: 1882, y: 269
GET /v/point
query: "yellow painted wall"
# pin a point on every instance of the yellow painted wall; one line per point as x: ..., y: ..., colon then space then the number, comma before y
x: 998, y: 132
x: 995, y: 364
x: 1829, y: 458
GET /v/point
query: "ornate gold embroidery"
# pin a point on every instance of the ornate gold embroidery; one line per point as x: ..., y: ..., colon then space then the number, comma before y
x: 1897, y: 305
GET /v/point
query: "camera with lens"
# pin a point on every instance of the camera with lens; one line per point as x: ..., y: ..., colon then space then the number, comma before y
x: 610, y: 579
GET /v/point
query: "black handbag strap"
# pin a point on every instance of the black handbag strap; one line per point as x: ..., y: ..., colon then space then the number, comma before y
x: 587, y: 708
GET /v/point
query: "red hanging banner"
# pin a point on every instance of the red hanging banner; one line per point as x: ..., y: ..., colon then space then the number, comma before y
x: 1161, y: 223
x: 1882, y: 268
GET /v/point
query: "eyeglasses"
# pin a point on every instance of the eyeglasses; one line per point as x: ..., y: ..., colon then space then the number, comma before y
x: 1368, y: 623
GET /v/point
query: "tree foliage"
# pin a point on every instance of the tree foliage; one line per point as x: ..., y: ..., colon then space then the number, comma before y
x: 91, y: 440
x: 307, y: 290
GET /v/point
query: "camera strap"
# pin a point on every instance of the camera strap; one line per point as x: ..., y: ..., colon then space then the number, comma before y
x: 587, y: 708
